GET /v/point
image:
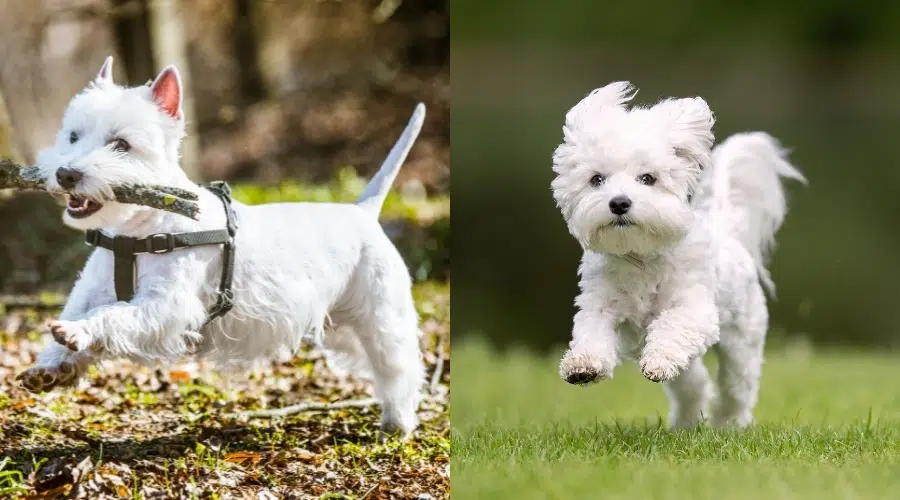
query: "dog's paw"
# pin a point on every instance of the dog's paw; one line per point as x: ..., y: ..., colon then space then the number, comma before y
x: 395, y: 429
x: 45, y: 378
x: 583, y: 369
x: 659, y: 368
x: 71, y: 334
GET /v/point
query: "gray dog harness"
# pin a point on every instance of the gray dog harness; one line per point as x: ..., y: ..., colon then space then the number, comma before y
x: 125, y: 248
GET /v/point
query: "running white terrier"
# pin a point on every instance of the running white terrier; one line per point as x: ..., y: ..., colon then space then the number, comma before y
x: 675, y: 240
x: 319, y: 271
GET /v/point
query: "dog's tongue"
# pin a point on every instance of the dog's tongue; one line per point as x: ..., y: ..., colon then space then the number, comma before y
x: 76, y: 202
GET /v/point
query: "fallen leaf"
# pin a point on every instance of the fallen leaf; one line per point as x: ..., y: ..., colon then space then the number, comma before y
x: 179, y: 376
x: 22, y: 404
x: 57, y: 492
x: 240, y: 457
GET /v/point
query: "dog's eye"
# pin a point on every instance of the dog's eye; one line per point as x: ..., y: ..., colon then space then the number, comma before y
x: 120, y: 145
x: 596, y: 180
x: 647, y: 180
x: 73, y: 137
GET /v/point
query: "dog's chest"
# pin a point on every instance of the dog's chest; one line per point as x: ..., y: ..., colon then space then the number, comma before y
x: 100, y: 270
x: 640, y: 309
x: 638, y: 306
x: 637, y: 301
x: 636, y: 295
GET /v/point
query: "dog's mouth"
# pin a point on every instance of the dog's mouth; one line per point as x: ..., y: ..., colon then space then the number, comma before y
x: 79, y: 208
x: 622, y: 222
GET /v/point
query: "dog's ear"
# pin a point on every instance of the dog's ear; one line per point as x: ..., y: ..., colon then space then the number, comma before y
x: 613, y: 95
x: 105, y: 75
x: 691, y: 123
x: 166, y: 91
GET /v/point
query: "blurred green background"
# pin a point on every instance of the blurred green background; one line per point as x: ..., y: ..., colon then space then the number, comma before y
x: 822, y: 76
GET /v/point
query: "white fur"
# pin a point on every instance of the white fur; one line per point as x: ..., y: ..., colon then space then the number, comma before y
x: 675, y: 277
x: 303, y: 271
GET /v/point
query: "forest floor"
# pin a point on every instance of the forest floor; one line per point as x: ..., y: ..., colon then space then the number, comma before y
x: 136, y: 432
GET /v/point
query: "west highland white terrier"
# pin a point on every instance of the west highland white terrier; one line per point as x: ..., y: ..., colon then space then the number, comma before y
x: 324, y: 272
x: 676, y: 238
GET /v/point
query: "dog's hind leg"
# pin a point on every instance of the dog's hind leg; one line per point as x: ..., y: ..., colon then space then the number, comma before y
x: 391, y: 341
x: 740, y: 353
x: 388, y: 331
x: 689, y: 395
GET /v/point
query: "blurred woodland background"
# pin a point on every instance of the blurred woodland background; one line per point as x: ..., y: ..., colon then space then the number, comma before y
x: 280, y: 94
x: 821, y: 75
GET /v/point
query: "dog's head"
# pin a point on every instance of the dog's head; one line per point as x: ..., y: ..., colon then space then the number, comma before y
x: 625, y: 176
x: 113, y: 135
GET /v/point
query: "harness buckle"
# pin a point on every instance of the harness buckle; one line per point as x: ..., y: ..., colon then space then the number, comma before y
x: 165, y: 238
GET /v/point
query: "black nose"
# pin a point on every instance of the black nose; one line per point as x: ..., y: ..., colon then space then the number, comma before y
x: 67, y: 177
x: 620, y: 205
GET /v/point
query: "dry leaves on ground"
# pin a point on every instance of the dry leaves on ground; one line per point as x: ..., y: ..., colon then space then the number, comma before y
x: 133, y: 432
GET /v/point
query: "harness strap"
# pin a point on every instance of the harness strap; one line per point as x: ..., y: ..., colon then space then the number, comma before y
x: 225, y: 301
x: 125, y: 248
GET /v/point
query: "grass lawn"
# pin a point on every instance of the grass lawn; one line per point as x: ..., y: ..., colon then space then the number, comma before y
x: 828, y: 426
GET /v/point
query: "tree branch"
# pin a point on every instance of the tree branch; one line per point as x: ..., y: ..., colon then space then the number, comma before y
x: 303, y: 407
x: 353, y: 403
x: 171, y: 199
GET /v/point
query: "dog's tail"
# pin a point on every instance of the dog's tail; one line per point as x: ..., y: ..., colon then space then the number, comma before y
x: 376, y: 191
x: 744, y: 194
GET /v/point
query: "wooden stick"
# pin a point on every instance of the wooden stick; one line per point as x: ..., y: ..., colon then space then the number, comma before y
x: 152, y: 196
x: 19, y: 177
x: 171, y: 199
x: 304, y: 407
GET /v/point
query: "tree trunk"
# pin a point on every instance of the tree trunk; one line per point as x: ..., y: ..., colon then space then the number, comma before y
x: 167, y: 40
x: 7, y: 142
x: 246, y: 51
x: 132, y: 34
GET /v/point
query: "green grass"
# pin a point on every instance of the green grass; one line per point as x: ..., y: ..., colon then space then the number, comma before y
x: 345, y: 187
x: 828, y: 426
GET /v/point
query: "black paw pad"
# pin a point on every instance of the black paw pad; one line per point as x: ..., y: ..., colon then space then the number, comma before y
x: 581, y: 378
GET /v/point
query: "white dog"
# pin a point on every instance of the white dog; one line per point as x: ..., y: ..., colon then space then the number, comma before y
x: 674, y: 258
x: 319, y: 271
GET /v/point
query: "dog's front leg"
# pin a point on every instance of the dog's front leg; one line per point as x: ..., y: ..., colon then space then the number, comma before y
x: 682, y: 331
x: 153, y: 326
x: 592, y: 353
x: 57, y: 365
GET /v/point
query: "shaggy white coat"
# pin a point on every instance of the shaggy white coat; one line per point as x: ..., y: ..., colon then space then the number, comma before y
x: 670, y: 278
x: 303, y: 271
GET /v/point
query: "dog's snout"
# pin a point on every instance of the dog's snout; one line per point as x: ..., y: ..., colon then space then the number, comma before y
x: 620, y: 205
x: 68, y: 177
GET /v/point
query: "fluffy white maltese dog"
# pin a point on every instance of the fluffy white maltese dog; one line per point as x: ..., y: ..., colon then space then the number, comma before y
x: 676, y: 238
x: 319, y: 271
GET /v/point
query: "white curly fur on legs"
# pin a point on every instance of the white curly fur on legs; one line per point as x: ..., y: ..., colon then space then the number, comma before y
x: 740, y: 355
x: 681, y: 332
x: 689, y: 395
x: 592, y: 354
